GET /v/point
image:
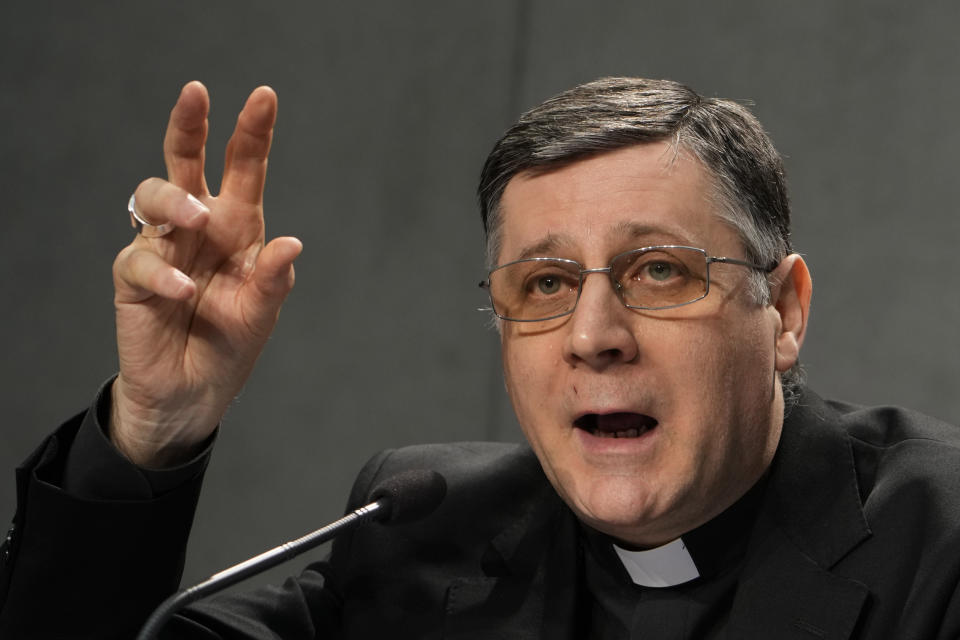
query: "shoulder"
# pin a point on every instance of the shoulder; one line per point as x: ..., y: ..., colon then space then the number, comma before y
x: 907, y: 467
x: 888, y: 437
x: 906, y: 473
x: 491, y: 488
x: 900, y: 443
x: 474, y: 470
x: 900, y: 465
x: 888, y: 427
x: 461, y: 460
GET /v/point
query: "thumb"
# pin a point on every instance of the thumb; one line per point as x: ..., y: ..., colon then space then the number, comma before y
x: 271, y: 281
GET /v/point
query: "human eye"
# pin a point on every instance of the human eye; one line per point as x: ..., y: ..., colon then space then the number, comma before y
x: 548, y: 281
x: 660, y: 277
x: 661, y: 270
x: 657, y: 268
x: 547, y: 284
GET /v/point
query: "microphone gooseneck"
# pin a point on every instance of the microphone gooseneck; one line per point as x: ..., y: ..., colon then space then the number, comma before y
x: 399, y: 499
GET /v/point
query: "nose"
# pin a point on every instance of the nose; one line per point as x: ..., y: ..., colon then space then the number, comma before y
x: 601, y: 327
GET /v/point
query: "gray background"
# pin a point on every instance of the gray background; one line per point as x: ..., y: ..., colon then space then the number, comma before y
x: 387, y: 110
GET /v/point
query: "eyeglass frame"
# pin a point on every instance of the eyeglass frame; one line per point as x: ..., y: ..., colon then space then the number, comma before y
x: 617, y: 287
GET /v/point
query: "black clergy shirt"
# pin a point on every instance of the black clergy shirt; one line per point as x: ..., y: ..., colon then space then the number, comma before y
x: 697, y: 609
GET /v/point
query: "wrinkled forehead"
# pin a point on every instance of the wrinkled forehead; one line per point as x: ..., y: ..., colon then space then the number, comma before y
x: 653, y: 193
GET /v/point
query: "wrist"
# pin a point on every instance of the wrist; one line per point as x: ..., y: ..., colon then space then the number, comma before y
x: 153, y: 438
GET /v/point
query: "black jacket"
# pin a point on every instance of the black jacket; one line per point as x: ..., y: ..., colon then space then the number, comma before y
x: 858, y: 537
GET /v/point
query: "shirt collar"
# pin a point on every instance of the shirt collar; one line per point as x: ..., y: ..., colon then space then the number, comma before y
x: 706, y: 551
x: 665, y: 566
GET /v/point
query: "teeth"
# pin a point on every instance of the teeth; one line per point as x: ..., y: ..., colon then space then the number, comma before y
x: 626, y: 433
x: 616, y: 425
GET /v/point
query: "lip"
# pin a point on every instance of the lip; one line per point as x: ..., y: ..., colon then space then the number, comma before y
x: 621, y: 423
x: 593, y: 444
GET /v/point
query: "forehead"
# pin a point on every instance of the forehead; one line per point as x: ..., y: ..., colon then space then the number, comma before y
x: 646, y: 194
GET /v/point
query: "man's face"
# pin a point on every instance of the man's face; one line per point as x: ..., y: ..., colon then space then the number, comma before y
x: 693, y: 391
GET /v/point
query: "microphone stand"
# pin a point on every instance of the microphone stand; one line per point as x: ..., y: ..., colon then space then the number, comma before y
x: 256, y: 564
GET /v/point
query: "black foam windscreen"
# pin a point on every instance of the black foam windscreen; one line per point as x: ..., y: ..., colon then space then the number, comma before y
x: 410, y: 495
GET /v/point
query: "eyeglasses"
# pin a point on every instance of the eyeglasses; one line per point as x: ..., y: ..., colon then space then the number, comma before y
x: 651, y: 278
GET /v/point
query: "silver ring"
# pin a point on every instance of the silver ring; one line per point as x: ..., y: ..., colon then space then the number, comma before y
x: 143, y: 227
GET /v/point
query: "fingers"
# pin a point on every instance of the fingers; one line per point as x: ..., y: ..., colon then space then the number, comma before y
x: 245, y: 165
x: 140, y: 273
x: 183, y: 145
x: 272, y: 280
x: 159, y: 202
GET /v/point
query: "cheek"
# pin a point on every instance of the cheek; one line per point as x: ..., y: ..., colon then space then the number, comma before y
x: 533, y: 374
x: 735, y: 353
x: 738, y: 391
x: 531, y: 352
x: 721, y: 377
x: 528, y: 371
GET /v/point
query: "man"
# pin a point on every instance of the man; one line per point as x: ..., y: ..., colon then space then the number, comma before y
x: 683, y: 483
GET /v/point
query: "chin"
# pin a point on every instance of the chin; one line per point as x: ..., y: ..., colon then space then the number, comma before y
x: 624, y: 507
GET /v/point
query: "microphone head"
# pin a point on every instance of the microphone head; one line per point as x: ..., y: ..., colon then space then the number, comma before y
x: 409, y: 495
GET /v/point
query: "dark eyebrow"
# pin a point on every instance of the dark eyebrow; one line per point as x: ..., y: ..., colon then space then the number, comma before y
x: 549, y: 245
x: 656, y: 234
x: 552, y: 243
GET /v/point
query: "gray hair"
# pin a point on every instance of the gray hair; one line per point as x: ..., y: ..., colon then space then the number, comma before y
x: 612, y: 113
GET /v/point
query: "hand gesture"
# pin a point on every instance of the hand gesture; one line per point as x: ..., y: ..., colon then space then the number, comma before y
x: 195, y: 307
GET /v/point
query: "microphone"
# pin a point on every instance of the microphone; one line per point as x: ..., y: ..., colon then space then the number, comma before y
x: 402, y: 498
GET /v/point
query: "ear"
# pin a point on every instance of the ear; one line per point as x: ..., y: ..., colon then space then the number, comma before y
x: 790, y: 297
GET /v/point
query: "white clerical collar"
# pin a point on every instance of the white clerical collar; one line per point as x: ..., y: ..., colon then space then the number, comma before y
x: 664, y: 566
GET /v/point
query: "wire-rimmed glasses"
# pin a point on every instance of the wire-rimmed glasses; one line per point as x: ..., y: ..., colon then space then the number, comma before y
x: 650, y: 278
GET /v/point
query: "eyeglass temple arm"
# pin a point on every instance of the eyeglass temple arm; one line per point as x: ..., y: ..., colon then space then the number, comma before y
x: 742, y: 263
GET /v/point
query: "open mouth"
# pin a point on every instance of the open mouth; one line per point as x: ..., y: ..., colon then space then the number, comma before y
x: 616, y: 425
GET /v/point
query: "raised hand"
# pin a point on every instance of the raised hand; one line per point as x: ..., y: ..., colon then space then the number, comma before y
x: 195, y: 307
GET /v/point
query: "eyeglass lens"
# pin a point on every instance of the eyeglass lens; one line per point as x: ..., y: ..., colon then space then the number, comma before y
x: 652, y: 278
